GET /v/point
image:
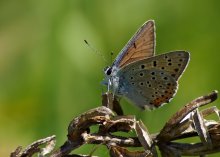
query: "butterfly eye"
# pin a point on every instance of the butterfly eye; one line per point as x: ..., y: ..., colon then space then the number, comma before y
x: 108, y: 70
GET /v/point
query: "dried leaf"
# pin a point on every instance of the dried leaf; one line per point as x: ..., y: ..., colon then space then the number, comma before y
x: 143, y: 135
x: 35, y: 147
x: 121, y: 123
x: 48, y: 148
x: 110, y: 101
x: 209, y: 111
x: 111, y: 139
x: 145, y: 138
x: 16, y: 152
x: 182, y: 113
x: 201, y: 129
x: 82, y: 123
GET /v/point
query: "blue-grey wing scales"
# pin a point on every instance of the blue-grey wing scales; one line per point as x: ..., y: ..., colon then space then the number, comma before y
x: 151, y: 82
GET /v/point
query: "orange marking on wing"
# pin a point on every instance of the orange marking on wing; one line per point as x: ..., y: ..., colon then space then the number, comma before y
x: 169, y: 92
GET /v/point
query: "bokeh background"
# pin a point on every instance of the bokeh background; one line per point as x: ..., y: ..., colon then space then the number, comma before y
x: 48, y: 75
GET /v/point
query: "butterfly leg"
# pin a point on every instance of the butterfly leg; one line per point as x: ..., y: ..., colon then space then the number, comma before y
x: 109, y: 84
x: 111, y: 87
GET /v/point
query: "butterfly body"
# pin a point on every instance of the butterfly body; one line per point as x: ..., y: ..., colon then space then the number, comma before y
x: 146, y: 80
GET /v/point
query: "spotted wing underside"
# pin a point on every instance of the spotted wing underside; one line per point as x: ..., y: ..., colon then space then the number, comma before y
x: 153, y: 81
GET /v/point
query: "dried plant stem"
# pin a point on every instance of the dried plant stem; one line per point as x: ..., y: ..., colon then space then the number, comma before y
x: 187, y: 122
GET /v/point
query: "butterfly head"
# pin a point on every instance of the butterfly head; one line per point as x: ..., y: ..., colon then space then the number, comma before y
x: 111, y: 78
x: 108, y: 70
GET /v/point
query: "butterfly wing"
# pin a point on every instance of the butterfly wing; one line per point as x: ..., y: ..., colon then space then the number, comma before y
x: 151, y: 82
x: 140, y: 46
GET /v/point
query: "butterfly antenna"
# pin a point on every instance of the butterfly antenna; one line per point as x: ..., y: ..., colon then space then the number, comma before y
x: 96, y: 51
x: 112, y: 53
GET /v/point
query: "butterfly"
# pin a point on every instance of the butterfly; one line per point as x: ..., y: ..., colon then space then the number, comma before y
x: 146, y: 80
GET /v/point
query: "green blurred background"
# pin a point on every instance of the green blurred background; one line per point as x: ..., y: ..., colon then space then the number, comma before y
x: 48, y: 75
